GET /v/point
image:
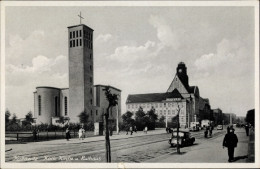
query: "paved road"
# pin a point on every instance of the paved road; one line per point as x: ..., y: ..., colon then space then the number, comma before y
x: 209, y: 151
x: 137, y: 148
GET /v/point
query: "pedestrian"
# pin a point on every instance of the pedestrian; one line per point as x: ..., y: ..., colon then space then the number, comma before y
x: 127, y: 129
x: 80, y: 133
x: 210, y: 131
x: 206, y: 132
x: 230, y: 141
x: 247, y: 129
x: 167, y: 130
x: 67, y: 133
x: 131, y: 130
x: 83, y: 133
x: 135, y: 129
x: 145, y: 130
x: 34, y: 134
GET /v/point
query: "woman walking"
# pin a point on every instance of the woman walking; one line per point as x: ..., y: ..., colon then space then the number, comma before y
x: 67, y: 133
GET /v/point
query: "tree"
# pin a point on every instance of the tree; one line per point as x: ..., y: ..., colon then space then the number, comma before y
x: 14, y: 119
x: 161, y: 122
x: 152, y: 119
x: 174, y: 121
x: 140, y: 120
x: 250, y: 117
x: 28, y: 119
x: 83, y: 117
x: 7, y: 116
x: 127, y: 119
x: 112, y: 101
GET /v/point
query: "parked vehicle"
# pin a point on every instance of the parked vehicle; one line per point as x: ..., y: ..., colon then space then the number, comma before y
x: 185, y: 138
x: 194, y: 126
x: 205, y: 123
x: 219, y: 127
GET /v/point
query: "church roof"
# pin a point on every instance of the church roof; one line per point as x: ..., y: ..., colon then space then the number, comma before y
x: 186, y: 85
x: 153, y: 97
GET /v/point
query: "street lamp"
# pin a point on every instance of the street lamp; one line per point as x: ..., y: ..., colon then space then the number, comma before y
x: 166, y: 122
x: 178, y: 123
x: 117, y: 122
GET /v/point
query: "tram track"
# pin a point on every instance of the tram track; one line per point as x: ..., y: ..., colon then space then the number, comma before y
x: 98, y: 148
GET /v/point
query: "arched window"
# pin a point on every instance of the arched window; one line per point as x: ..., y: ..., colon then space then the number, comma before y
x: 66, y: 106
x: 56, y: 106
x: 39, y: 104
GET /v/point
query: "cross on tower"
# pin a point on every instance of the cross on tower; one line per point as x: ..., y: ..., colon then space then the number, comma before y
x: 80, y: 17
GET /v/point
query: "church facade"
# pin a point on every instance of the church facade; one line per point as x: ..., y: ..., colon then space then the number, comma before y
x: 51, y: 103
x: 179, y: 97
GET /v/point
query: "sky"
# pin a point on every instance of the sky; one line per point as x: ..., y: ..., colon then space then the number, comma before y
x: 136, y: 49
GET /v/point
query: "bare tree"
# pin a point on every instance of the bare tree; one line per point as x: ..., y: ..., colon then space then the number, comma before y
x: 112, y: 101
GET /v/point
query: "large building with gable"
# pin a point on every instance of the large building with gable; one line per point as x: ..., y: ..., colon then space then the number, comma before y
x: 51, y: 103
x: 180, y: 95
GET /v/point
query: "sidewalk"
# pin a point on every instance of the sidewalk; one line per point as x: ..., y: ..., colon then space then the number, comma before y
x: 208, y: 151
x: 42, y: 144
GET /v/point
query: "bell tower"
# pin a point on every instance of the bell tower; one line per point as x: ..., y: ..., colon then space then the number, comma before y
x: 181, y: 71
x: 80, y: 44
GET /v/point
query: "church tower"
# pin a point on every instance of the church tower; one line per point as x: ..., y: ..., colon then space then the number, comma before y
x: 80, y: 45
x: 181, y: 71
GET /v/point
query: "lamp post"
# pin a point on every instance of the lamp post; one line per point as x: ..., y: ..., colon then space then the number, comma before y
x: 166, y: 122
x: 117, y: 122
x: 178, y: 123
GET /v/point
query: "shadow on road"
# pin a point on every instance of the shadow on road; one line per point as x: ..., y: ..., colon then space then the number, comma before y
x: 240, y: 157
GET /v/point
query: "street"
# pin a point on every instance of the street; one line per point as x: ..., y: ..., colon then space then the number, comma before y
x: 137, y: 148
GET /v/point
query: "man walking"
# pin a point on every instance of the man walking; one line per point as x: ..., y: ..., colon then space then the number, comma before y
x: 230, y: 141
x: 247, y: 129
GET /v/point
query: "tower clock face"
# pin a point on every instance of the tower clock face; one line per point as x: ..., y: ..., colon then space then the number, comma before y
x: 180, y: 70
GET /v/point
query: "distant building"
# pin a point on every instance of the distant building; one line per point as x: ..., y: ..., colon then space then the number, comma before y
x: 180, y: 93
x: 217, y: 116
x: 51, y: 104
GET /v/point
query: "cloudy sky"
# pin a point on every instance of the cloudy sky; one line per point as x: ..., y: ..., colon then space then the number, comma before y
x: 136, y: 49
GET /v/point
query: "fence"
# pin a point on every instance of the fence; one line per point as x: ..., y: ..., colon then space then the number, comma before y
x: 41, y: 136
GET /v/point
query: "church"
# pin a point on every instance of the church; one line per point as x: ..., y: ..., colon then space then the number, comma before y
x: 179, y: 97
x: 51, y: 103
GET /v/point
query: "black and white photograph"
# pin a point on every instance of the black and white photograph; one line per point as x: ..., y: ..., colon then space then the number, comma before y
x: 152, y: 84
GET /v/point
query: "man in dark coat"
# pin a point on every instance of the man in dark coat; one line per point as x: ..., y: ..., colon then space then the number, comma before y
x: 230, y: 141
x: 247, y: 129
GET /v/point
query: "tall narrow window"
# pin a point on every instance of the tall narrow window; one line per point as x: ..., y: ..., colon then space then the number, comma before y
x: 56, y: 106
x: 77, y: 42
x: 70, y: 35
x: 73, y: 34
x: 71, y: 43
x: 90, y: 67
x: 91, y: 101
x: 80, y: 33
x: 90, y: 91
x: 96, y: 112
x: 66, y: 106
x: 90, y: 79
x: 80, y: 42
x: 90, y: 56
x: 90, y: 45
x: 77, y: 34
x: 91, y: 113
x: 39, y: 105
